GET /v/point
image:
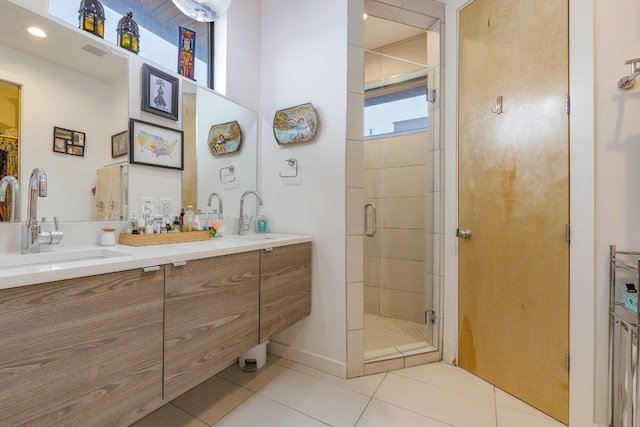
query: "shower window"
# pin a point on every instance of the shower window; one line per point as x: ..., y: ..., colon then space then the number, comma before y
x: 395, y: 99
x: 397, y: 109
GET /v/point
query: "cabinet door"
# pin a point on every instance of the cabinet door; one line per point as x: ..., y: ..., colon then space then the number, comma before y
x: 81, y: 352
x: 285, y: 288
x: 211, y: 317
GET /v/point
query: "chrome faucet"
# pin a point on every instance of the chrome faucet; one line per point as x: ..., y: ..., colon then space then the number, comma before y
x: 32, y: 238
x: 219, y: 196
x: 241, y: 219
x: 11, y: 182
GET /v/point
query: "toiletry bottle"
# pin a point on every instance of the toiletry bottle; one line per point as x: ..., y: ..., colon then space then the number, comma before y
x: 157, y: 224
x: 189, y: 217
x: 176, y: 224
x: 181, y: 220
x: 196, y: 223
x: 133, y: 223
x: 261, y: 221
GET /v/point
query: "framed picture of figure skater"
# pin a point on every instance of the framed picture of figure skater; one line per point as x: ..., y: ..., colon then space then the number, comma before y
x: 159, y: 92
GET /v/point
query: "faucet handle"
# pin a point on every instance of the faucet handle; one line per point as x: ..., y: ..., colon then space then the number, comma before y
x: 247, y: 222
x: 57, y: 224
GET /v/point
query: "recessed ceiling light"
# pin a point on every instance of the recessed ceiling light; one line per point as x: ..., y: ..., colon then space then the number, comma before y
x: 35, y: 31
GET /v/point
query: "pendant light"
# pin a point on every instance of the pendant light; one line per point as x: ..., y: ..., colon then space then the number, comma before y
x: 203, y: 10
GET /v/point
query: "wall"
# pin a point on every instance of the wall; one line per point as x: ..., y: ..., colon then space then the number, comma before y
x: 242, y: 65
x: 584, y: 288
x: 303, y: 59
x: 617, y: 153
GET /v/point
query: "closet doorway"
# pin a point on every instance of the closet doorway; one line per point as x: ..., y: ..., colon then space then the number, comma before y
x: 9, y: 142
x: 513, y: 198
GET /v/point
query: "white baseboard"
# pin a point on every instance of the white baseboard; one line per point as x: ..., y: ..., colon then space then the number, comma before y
x: 312, y: 360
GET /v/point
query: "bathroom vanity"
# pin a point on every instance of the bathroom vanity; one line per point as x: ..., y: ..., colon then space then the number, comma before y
x: 108, y: 339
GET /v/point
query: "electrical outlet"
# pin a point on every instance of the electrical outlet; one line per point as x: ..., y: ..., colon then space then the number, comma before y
x: 165, y: 206
x: 146, y: 206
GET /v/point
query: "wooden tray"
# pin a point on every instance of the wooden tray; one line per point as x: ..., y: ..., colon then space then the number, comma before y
x: 160, y: 239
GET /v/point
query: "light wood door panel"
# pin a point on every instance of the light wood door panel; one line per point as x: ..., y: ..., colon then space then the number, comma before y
x: 513, y: 196
x: 81, y: 352
x: 211, y: 317
x: 285, y: 288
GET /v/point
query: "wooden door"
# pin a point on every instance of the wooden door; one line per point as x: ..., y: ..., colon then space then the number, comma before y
x: 513, y: 274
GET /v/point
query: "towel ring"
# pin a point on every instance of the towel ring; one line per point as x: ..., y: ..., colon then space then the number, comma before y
x: 230, y: 169
x: 292, y: 162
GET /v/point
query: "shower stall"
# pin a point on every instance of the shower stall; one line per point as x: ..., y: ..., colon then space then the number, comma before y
x: 401, y: 236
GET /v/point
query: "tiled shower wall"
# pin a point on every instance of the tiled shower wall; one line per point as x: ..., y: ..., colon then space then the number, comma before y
x: 397, y: 260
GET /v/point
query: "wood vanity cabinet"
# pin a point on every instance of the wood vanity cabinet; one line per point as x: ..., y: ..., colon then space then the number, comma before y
x: 81, y: 352
x: 211, y: 317
x: 285, y: 287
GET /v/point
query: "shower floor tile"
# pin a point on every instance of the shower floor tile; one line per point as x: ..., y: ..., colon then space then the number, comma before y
x: 386, y: 338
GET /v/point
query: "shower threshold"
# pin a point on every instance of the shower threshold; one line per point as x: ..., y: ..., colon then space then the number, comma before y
x: 387, y: 338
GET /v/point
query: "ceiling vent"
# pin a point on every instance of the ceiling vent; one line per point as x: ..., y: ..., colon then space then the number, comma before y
x: 94, y: 49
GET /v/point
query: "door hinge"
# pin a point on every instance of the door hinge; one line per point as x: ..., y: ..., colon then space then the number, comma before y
x: 567, y: 233
x: 429, y: 317
x: 567, y: 103
x: 568, y: 362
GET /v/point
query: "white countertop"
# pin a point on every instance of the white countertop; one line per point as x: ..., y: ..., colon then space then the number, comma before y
x: 29, y: 269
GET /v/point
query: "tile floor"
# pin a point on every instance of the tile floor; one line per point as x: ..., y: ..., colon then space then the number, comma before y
x: 287, y: 394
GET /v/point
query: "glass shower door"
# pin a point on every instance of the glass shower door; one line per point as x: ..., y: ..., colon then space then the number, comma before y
x: 399, y: 197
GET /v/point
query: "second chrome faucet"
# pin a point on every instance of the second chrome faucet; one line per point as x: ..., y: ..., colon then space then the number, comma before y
x: 241, y: 224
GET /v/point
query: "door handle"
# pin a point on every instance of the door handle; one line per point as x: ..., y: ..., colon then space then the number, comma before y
x: 465, y: 233
x: 371, y: 233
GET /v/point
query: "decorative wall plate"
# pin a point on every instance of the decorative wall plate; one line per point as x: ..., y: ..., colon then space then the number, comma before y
x: 224, y: 138
x: 295, y: 124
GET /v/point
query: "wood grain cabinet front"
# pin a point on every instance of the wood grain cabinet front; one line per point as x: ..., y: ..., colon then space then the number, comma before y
x: 211, y: 317
x: 285, y: 287
x: 81, y: 352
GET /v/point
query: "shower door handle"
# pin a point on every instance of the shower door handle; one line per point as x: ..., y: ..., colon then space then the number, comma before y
x: 371, y: 233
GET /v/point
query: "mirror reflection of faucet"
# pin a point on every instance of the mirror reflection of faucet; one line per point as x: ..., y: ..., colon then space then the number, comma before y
x: 32, y: 237
x: 219, y: 196
x: 11, y: 182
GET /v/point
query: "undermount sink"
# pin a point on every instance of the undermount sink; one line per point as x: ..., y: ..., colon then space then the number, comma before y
x: 253, y: 237
x: 57, y: 257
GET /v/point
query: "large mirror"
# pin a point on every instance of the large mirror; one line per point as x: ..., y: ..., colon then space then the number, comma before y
x: 206, y: 119
x: 72, y: 82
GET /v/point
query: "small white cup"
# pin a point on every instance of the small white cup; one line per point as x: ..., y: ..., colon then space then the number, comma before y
x: 108, y: 237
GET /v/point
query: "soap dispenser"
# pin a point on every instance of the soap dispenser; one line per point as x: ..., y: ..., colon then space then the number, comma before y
x: 261, y: 221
